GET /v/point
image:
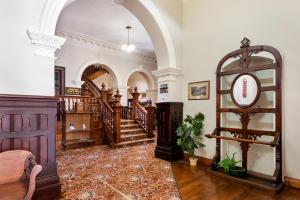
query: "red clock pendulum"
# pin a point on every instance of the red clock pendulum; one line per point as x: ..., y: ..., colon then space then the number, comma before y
x: 244, y: 88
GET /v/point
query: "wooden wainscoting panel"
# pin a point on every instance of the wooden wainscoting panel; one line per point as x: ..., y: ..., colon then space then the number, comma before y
x: 28, y: 123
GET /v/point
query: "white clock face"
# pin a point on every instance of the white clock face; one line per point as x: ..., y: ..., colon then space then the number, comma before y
x: 245, y: 90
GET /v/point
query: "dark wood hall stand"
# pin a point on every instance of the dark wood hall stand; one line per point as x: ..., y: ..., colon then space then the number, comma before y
x: 244, y: 72
x: 169, y: 116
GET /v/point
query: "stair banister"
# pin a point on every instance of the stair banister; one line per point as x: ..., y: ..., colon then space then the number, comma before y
x: 149, y: 118
x: 117, y: 117
x: 143, y: 115
x: 135, y: 101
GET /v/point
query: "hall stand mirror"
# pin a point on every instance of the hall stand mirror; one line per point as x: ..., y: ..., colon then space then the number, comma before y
x: 244, y: 92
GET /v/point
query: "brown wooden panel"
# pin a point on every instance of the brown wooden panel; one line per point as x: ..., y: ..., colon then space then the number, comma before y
x: 34, y: 147
x: 43, y: 122
x: 28, y: 122
x: 26, y: 144
x: 16, y: 123
x: 43, y: 151
x: 5, y: 145
x: 17, y: 143
x: 5, y: 122
x: 34, y: 122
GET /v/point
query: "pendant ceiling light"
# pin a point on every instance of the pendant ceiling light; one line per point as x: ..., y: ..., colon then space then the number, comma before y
x: 128, y: 47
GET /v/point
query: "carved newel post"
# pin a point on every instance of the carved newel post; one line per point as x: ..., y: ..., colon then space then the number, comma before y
x: 117, y: 116
x: 103, y: 93
x: 150, y: 118
x: 109, y: 96
x: 135, y: 101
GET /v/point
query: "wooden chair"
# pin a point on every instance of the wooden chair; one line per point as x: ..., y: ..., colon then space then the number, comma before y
x: 18, y: 171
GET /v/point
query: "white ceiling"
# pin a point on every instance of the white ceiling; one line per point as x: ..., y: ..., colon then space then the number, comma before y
x: 105, y: 21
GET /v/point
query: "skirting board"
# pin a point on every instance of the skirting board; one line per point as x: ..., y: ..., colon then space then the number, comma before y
x: 292, y: 182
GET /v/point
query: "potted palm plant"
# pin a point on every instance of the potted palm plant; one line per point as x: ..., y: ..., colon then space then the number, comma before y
x: 230, y: 167
x: 189, y: 135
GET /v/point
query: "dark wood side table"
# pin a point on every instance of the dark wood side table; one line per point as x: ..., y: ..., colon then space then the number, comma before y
x: 169, y: 116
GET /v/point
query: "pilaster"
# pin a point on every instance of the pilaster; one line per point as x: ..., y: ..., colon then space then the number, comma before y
x: 172, y: 79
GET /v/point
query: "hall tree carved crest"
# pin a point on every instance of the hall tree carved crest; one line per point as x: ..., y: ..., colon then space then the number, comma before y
x: 248, y: 84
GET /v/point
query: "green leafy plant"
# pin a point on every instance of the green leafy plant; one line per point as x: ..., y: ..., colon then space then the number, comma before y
x: 189, y: 133
x: 228, y: 163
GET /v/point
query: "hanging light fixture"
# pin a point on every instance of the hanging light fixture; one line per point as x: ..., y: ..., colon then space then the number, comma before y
x: 128, y: 47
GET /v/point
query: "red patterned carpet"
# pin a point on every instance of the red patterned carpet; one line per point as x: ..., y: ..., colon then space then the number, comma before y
x: 130, y: 173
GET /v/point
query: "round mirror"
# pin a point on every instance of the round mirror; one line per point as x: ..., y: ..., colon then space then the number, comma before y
x: 245, y: 90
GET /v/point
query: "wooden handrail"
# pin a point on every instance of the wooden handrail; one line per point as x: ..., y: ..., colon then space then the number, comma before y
x: 92, y: 86
x: 108, y: 106
x: 141, y: 116
x: 140, y: 107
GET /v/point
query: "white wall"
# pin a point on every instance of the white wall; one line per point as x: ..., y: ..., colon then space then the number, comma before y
x: 213, y: 28
x: 75, y: 55
x: 22, y: 72
x: 139, y: 80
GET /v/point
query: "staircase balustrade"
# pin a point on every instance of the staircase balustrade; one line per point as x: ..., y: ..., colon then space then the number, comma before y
x: 68, y: 104
x: 108, y: 121
x: 126, y: 112
x: 143, y: 115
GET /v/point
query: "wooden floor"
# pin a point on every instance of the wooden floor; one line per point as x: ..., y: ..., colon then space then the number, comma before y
x: 195, y: 183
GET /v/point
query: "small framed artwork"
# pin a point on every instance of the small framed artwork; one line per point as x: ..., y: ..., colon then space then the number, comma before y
x: 163, y: 88
x: 144, y: 95
x: 198, y: 90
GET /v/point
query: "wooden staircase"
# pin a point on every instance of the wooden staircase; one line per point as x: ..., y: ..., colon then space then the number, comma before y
x: 132, y: 134
x: 123, y: 126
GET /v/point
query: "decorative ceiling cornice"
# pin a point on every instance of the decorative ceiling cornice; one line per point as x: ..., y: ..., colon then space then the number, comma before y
x: 45, y: 44
x: 115, y: 48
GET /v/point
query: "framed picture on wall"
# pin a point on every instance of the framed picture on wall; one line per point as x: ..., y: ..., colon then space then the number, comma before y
x: 163, y: 88
x: 198, y: 90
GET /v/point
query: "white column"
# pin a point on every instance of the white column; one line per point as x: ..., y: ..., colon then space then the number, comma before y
x: 172, y: 79
x: 123, y: 91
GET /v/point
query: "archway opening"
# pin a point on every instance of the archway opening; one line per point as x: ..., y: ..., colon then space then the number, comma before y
x: 94, y: 76
x: 145, y: 86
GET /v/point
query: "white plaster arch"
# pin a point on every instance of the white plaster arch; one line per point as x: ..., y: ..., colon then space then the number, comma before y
x: 98, y: 61
x: 144, y: 10
x: 145, y: 72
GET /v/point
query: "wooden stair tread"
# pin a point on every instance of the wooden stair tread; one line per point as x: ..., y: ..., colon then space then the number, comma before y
x: 136, y: 141
x: 127, y: 120
x: 129, y: 125
x: 133, y: 135
x: 132, y: 130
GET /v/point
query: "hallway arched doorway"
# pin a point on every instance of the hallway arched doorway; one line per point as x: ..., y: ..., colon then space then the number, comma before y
x: 145, y: 84
x: 144, y: 10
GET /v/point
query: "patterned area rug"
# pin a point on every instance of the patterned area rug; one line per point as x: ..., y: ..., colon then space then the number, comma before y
x: 129, y: 173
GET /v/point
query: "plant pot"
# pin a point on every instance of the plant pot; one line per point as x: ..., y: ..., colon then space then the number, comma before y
x: 238, y: 172
x: 193, y: 161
